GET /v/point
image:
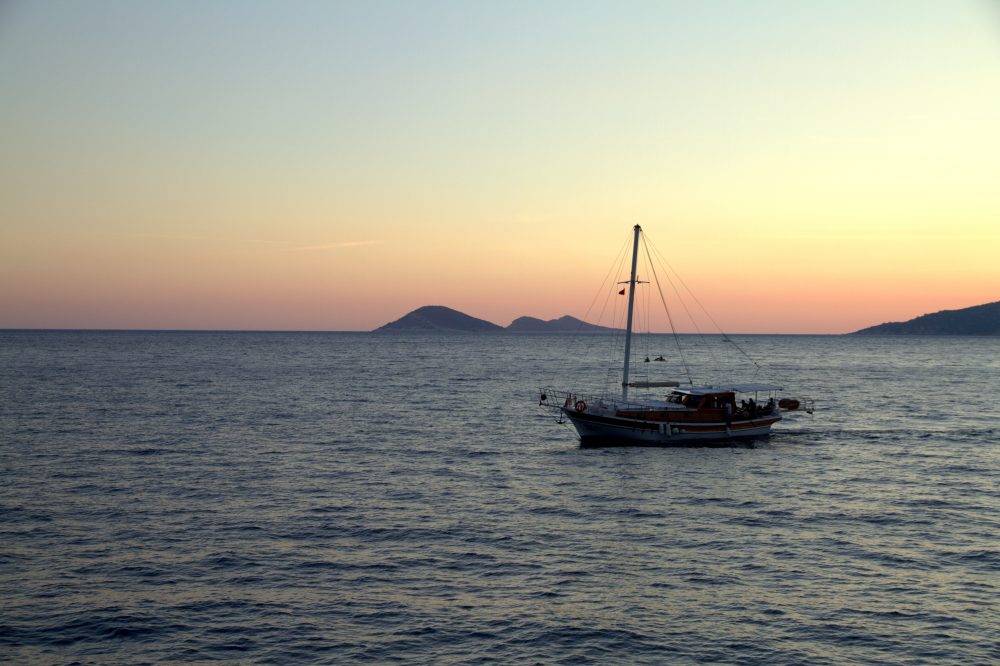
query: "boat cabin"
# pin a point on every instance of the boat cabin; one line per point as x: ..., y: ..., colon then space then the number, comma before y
x: 703, y: 398
x: 715, y: 400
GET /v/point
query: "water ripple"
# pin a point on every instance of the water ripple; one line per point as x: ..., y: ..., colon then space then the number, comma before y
x: 327, y: 498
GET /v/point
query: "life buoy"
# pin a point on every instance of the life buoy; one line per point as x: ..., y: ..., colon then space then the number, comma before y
x: 580, y: 405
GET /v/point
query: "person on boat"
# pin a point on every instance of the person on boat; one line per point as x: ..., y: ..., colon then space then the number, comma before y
x: 729, y: 412
x: 752, y: 408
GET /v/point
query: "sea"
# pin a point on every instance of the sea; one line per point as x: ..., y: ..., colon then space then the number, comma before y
x: 354, y: 498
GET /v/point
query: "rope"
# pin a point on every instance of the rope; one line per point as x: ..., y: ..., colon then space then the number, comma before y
x: 577, y: 335
x: 707, y: 313
x: 612, y: 382
x: 617, y: 261
x: 670, y: 318
x: 616, y: 337
x: 694, y: 322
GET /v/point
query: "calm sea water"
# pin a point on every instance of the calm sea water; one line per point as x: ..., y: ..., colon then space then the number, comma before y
x: 354, y: 498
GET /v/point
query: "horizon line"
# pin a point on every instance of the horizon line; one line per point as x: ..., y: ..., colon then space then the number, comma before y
x: 318, y: 330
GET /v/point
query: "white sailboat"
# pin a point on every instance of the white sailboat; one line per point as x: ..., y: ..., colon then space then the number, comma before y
x: 686, y: 414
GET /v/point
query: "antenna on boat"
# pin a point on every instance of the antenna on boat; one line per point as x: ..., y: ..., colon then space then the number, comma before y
x: 631, y: 303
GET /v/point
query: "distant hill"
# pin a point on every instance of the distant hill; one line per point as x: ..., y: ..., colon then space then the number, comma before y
x: 440, y: 318
x: 564, y: 324
x: 977, y: 320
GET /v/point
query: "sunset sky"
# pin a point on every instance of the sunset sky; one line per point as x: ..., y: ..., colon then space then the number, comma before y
x: 807, y: 167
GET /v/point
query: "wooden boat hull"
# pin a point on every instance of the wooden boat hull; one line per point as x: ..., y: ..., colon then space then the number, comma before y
x: 639, y: 432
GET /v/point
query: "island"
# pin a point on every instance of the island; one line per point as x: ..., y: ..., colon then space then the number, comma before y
x: 564, y: 324
x: 976, y: 320
x: 438, y: 318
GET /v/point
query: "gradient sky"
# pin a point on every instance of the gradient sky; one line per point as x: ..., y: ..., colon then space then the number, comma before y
x: 806, y: 166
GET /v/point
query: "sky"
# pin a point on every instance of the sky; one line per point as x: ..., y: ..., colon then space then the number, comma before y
x: 806, y: 167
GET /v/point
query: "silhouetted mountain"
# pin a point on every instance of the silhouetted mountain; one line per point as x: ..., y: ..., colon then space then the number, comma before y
x: 977, y: 320
x: 564, y: 324
x: 439, y: 318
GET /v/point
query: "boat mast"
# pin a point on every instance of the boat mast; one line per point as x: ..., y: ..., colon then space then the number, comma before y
x: 631, y: 302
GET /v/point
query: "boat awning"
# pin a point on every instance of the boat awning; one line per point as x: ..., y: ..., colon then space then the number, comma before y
x: 654, y: 384
x: 725, y: 388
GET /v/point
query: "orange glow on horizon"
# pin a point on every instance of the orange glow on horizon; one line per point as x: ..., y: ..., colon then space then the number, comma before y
x: 797, y: 187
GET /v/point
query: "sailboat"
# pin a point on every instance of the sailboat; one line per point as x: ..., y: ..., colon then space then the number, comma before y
x: 687, y: 414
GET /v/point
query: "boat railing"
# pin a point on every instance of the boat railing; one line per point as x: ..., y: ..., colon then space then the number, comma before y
x: 558, y: 399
